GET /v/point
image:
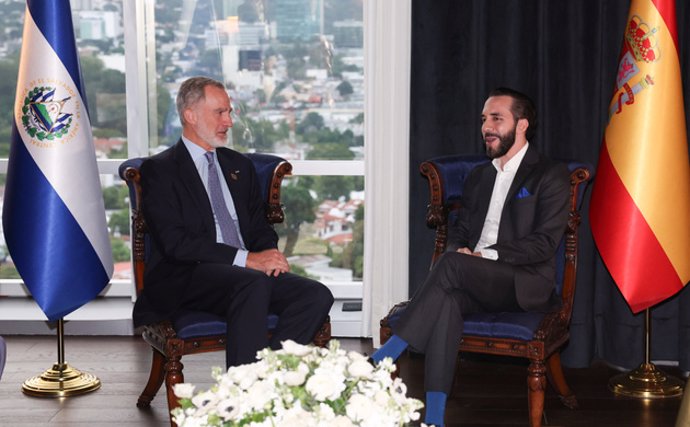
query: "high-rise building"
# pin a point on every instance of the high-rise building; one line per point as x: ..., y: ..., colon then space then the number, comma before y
x: 348, y: 33
x: 297, y: 19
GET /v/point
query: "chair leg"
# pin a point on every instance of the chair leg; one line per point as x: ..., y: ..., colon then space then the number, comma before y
x: 554, y: 372
x: 156, y: 377
x: 536, y: 384
x: 323, y: 335
x: 173, y: 375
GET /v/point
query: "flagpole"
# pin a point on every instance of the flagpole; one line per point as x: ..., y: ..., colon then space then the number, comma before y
x: 61, y: 380
x: 646, y: 381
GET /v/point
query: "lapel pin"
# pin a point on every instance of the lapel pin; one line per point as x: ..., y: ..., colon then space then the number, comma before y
x: 234, y: 175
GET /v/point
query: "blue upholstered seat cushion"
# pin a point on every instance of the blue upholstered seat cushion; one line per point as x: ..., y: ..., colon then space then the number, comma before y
x: 191, y: 324
x: 519, y: 326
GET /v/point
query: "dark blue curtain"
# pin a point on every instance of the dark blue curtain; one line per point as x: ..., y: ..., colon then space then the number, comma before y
x: 564, y: 54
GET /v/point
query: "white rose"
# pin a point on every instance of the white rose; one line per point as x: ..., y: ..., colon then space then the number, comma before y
x: 244, y: 375
x: 292, y: 347
x: 325, y: 387
x: 359, y: 407
x: 324, y: 414
x: 184, y: 390
x: 294, y: 378
x: 360, y: 369
x: 260, y: 394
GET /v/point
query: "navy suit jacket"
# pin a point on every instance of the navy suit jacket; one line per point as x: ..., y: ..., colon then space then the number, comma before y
x: 532, y: 223
x: 179, y: 217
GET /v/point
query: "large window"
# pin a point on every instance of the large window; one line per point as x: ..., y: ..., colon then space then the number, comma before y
x: 294, y: 69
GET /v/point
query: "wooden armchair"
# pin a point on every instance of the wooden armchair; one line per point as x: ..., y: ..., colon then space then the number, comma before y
x: 537, y: 337
x: 192, y: 331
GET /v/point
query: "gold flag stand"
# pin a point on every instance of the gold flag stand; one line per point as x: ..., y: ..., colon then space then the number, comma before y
x: 61, y: 380
x: 646, y: 382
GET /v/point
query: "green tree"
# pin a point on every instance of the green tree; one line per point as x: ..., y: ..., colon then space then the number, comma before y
x: 121, y: 252
x: 119, y: 222
x: 115, y: 197
x: 105, y: 95
x: 333, y: 187
x: 299, y: 209
x: 8, y: 87
x: 310, y: 123
x: 330, y: 151
x: 345, y: 89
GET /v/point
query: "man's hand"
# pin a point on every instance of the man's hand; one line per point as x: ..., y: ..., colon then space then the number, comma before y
x: 467, y: 251
x: 271, y: 261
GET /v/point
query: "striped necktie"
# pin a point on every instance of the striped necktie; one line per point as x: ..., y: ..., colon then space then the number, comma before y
x: 226, y: 224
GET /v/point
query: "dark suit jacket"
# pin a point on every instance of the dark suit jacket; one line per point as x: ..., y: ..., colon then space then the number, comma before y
x: 532, y: 223
x: 180, y: 221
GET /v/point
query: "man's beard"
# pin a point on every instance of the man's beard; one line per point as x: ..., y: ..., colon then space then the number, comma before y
x: 212, y: 138
x: 505, y: 142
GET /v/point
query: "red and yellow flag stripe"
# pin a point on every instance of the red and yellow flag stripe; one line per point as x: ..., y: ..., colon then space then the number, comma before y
x: 640, y: 210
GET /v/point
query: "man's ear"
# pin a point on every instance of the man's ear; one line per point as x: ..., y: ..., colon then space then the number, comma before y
x: 522, y: 125
x: 189, y: 116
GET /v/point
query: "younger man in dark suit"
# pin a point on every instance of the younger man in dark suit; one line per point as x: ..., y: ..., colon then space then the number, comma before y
x: 213, y: 249
x: 501, y: 252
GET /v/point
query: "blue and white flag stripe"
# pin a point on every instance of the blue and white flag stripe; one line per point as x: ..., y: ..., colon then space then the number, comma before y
x: 53, y: 213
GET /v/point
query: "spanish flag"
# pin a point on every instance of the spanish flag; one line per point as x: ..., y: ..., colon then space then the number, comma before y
x: 640, y: 209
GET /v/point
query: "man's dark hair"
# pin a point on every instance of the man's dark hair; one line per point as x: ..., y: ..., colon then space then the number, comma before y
x: 522, y: 108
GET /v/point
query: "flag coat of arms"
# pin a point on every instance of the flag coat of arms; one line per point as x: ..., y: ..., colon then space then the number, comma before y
x: 640, y: 209
x: 53, y: 213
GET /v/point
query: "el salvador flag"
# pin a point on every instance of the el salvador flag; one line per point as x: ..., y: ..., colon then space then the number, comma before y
x: 53, y: 215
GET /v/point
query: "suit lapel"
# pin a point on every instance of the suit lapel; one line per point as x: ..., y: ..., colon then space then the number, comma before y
x: 230, y: 172
x: 192, y: 182
x: 526, y: 167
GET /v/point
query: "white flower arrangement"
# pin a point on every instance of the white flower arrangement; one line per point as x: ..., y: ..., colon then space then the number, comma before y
x: 300, y: 386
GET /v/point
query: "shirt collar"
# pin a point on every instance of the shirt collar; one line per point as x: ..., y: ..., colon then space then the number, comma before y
x: 514, y: 163
x: 194, y: 150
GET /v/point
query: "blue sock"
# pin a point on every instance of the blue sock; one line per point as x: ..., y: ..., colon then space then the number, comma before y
x: 393, y: 348
x: 435, y: 408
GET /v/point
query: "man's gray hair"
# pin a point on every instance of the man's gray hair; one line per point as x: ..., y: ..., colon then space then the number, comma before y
x: 192, y: 91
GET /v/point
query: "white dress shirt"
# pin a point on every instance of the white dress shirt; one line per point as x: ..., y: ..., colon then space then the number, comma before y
x: 504, y: 178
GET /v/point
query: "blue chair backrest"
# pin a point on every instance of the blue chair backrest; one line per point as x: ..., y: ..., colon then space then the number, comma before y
x: 265, y: 165
x: 454, y: 169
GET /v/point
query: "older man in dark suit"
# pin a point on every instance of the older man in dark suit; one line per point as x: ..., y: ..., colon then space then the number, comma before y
x: 501, y: 251
x: 213, y: 249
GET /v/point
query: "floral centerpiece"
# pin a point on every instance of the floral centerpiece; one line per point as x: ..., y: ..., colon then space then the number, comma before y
x: 300, y: 386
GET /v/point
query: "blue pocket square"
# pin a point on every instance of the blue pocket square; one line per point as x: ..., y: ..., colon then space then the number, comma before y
x: 522, y: 193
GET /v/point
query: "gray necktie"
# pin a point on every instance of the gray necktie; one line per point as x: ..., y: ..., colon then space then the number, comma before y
x: 220, y: 208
